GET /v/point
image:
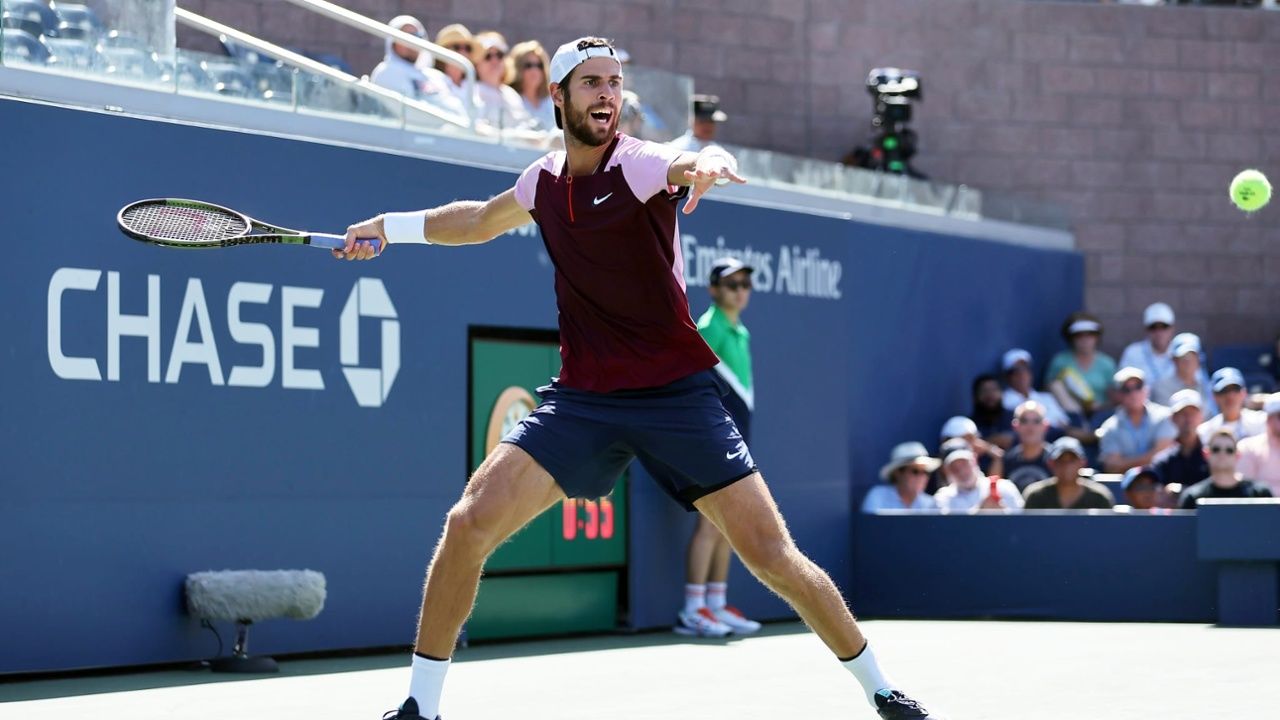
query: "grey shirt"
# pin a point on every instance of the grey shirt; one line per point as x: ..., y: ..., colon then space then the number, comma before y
x: 1121, y: 437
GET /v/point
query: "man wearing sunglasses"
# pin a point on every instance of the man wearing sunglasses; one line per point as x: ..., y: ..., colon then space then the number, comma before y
x: 1138, y: 430
x: 1153, y: 356
x: 1260, y: 454
x: 706, y: 611
x: 1229, y: 390
x: 1224, y: 480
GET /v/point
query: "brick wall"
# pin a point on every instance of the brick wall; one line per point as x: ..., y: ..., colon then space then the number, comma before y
x: 1134, y: 118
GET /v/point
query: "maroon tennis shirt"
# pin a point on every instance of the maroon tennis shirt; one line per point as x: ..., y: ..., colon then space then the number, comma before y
x: 613, y: 237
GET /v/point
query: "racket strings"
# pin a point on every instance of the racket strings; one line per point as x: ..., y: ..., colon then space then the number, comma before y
x: 183, y: 224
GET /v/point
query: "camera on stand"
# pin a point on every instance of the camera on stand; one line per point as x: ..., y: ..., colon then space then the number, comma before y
x: 893, y: 142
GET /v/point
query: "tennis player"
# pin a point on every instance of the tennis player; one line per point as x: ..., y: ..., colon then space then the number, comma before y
x: 636, y: 378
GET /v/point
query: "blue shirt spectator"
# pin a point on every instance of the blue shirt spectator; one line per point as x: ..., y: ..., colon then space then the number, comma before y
x: 1138, y: 430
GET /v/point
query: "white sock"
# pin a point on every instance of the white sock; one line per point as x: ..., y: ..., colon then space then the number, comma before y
x: 695, y: 597
x: 427, y: 683
x: 864, y: 667
x: 716, y: 593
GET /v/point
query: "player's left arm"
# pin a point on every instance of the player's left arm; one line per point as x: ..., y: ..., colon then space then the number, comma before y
x: 703, y: 170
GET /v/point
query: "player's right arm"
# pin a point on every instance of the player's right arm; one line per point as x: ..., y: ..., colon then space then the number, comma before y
x: 462, y: 222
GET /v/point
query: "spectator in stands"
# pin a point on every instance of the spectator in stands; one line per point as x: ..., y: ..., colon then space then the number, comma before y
x: 1224, y: 481
x: 1027, y: 462
x: 499, y: 105
x: 1153, y: 356
x: 457, y: 38
x: 707, y: 117
x: 1138, y: 430
x: 401, y: 71
x: 1143, y: 489
x: 993, y: 420
x: 1080, y: 377
x: 966, y: 490
x: 631, y: 120
x: 1069, y: 488
x: 906, y: 473
x: 991, y: 458
x: 1260, y: 455
x: 1183, y: 464
x: 529, y: 66
x: 1017, y: 373
x: 1229, y: 391
x: 1188, y: 374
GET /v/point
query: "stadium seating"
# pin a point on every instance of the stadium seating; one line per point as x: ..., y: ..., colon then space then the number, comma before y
x: 78, y: 21
x: 23, y: 46
x: 33, y: 17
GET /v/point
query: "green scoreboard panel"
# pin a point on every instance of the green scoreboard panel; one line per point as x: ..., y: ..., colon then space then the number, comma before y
x: 562, y: 572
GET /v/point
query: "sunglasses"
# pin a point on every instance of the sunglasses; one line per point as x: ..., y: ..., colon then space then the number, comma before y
x: 1159, y: 326
x: 531, y: 65
x: 494, y: 55
x: 735, y: 285
x: 1129, y: 389
x: 461, y: 48
x: 915, y: 471
x: 1030, y: 420
x: 1219, y: 450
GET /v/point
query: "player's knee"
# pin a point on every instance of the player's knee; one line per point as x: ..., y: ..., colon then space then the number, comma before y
x: 771, y: 557
x: 465, y: 534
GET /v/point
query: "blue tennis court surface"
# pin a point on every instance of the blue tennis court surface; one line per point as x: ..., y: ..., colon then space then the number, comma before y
x: 971, y: 670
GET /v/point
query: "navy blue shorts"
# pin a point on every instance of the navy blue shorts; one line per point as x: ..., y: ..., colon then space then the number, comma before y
x: 680, y: 432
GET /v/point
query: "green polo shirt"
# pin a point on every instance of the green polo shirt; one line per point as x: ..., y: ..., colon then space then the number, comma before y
x: 730, y: 341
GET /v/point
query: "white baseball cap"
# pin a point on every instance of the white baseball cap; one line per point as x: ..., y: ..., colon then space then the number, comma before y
x: 575, y: 52
x: 1272, y: 404
x: 1013, y: 357
x: 1185, y: 344
x: 1155, y: 313
x: 958, y: 426
x: 1185, y: 398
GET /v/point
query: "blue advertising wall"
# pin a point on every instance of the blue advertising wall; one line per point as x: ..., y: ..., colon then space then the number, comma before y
x: 134, y: 454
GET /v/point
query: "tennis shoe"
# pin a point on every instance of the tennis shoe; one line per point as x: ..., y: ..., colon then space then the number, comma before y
x: 739, y: 623
x: 894, y: 705
x: 700, y: 623
x: 408, y: 710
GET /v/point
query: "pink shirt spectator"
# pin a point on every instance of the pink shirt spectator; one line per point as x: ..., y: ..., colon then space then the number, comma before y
x: 1260, y: 460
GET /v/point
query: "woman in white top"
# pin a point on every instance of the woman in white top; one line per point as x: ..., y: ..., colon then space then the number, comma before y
x: 499, y: 106
x: 907, y: 474
x: 528, y: 64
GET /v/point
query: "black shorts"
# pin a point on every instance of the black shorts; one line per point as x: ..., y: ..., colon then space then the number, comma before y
x: 681, y: 433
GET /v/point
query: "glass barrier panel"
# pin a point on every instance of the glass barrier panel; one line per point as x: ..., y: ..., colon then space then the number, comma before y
x: 662, y: 106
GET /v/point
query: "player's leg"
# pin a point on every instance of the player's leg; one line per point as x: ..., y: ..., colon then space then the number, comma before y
x: 508, y: 490
x: 747, y: 515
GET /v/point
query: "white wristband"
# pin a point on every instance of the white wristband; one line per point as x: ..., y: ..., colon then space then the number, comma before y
x: 405, y: 227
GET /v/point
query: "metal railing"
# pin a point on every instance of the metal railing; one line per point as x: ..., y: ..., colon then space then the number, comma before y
x: 293, y: 59
x: 382, y: 30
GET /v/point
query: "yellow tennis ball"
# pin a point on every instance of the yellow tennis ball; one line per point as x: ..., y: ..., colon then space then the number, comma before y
x: 1250, y: 190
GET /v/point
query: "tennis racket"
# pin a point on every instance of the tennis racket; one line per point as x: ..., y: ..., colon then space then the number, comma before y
x: 172, y: 222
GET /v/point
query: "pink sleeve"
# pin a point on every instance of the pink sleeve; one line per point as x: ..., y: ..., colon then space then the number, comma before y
x: 527, y: 185
x: 645, y: 165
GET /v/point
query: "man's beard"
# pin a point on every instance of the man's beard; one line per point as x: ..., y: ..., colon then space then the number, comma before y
x: 580, y: 126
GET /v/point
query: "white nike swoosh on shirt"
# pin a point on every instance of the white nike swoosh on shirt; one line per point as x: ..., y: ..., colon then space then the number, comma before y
x: 602, y: 199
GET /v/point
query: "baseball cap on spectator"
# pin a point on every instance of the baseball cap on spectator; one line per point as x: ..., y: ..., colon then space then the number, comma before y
x: 707, y: 107
x: 728, y: 266
x: 1124, y: 375
x: 1157, y: 313
x: 908, y: 453
x: 1225, y: 378
x: 1080, y: 322
x: 958, y: 426
x: 1066, y: 444
x: 1134, y: 473
x: 958, y: 454
x: 1184, y: 399
x: 1271, y: 405
x: 1185, y: 344
x: 1013, y: 357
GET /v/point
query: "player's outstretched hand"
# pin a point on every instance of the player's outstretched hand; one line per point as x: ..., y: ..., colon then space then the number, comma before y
x: 710, y: 170
x: 370, y: 229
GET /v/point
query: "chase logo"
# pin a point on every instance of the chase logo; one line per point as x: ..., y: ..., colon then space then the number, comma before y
x: 371, y: 386
x: 285, y: 351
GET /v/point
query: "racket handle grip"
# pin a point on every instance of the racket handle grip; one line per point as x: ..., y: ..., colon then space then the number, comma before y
x: 336, y: 242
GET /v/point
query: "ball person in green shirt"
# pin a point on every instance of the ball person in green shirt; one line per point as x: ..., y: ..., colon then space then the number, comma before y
x: 706, y: 612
